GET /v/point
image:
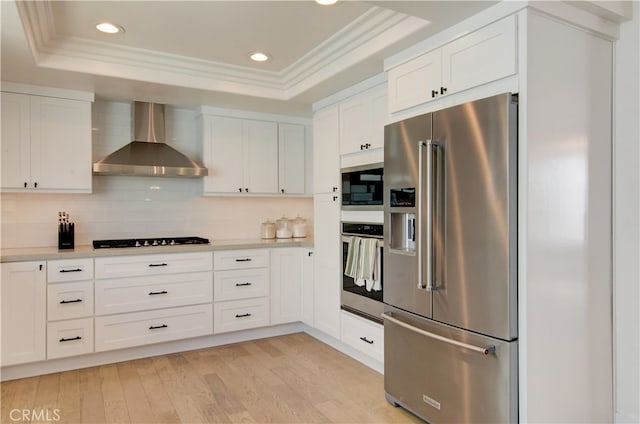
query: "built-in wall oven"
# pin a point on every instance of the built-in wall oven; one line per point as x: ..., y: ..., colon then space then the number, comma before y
x: 363, y: 299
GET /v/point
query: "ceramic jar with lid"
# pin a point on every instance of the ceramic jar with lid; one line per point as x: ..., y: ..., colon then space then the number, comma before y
x: 268, y: 230
x: 299, y: 227
x: 284, y: 228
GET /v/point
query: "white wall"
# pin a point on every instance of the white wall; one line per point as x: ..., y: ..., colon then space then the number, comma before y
x: 122, y: 207
x: 626, y: 216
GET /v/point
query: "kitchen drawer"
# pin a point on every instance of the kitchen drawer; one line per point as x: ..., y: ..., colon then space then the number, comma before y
x: 142, y: 328
x: 240, y: 284
x: 240, y: 259
x: 69, y: 270
x: 363, y: 335
x: 153, y: 292
x: 69, y: 300
x: 158, y: 264
x: 240, y: 314
x: 69, y: 338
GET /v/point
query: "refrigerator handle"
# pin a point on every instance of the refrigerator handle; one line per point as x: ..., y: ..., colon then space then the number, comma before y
x: 419, y: 224
x: 480, y: 349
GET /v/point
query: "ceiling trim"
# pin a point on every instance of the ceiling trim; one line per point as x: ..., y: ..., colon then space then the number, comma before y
x: 371, y: 32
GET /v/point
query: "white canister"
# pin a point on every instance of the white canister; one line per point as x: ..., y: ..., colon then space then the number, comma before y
x: 268, y: 230
x: 299, y: 227
x: 283, y: 228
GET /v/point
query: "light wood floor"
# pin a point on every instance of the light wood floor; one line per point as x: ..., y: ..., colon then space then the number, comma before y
x: 286, y: 379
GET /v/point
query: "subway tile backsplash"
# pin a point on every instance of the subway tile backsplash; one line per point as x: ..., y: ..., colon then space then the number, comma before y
x: 124, y: 207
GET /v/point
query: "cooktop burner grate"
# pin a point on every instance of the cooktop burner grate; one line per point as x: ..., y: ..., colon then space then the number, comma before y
x: 148, y: 242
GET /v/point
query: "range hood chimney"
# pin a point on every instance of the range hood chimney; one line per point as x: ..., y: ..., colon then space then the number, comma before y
x: 148, y: 154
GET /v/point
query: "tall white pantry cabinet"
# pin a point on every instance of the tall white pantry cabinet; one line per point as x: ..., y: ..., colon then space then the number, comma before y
x: 563, y: 76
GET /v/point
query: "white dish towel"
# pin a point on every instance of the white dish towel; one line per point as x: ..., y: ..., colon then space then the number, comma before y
x: 363, y: 263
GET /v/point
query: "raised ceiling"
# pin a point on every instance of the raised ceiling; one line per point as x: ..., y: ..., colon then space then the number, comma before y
x: 192, y: 53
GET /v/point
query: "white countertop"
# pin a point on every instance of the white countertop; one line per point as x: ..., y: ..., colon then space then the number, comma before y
x: 87, y: 251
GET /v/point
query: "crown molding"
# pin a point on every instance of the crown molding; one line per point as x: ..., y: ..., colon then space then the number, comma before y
x: 373, y: 31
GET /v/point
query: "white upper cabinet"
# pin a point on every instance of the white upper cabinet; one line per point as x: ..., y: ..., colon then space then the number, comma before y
x: 291, y: 158
x: 362, y: 120
x: 326, y: 150
x: 482, y: 56
x: 46, y: 144
x: 253, y: 156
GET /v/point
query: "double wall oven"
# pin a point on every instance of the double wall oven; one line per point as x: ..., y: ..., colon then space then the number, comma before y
x: 362, y: 217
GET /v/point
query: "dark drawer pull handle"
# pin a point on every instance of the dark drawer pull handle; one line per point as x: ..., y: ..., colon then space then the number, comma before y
x: 243, y: 315
x: 62, y: 340
x: 242, y: 284
x: 155, y: 327
x: 71, y: 270
x: 62, y: 302
x: 159, y: 292
x: 244, y: 260
x: 364, y: 339
x: 162, y: 264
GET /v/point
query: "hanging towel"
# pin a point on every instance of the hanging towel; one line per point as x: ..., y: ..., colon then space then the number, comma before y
x: 374, y: 284
x: 367, y: 259
x: 353, y: 251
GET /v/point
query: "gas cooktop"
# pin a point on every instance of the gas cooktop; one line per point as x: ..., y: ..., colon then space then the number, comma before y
x: 148, y: 242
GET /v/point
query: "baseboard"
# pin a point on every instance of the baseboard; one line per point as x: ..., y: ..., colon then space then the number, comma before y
x: 626, y: 419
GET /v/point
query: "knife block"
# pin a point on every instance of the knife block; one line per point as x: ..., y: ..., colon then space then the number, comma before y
x: 66, y: 236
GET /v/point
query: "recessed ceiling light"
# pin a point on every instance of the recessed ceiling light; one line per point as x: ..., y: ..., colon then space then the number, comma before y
x: 259, y: 57
x: 109, y: 28
x: 326, y: 2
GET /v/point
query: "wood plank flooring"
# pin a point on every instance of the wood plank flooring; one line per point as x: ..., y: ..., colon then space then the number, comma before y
x: 286, y: 379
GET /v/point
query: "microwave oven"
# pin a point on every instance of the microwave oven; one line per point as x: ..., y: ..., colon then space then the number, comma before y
x: 362, y: 187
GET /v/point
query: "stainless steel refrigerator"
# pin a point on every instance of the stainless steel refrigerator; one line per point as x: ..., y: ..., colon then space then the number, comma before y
x: 450, y: 255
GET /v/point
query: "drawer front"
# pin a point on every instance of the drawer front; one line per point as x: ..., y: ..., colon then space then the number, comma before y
x: 159, y: 264
x: 69, y: 338
x: 243, y: 314
x: 363, y: 335
x: 153, y: 292
x: 240, y: 284
x: 240, y: 259
x: 142, y: 328
x: 69, y: 300
x: 69, y: 270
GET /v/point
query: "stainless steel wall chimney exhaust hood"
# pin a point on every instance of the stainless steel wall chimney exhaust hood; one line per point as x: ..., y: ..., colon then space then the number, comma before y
x: 148, y: 154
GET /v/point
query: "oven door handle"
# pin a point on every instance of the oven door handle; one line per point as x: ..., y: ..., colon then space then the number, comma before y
x: 345, y: 239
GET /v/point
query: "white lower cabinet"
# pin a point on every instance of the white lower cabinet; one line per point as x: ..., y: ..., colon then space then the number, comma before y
x: 163, y: 325
x: 363, y: 335
x: 69, y: 338
x: 234, y: 315
x: 69, y: 300
x: 24, y: 317
x: 286, y: 285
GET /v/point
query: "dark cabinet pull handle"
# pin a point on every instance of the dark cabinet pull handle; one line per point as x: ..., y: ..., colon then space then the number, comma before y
x: 243, y: 284
x: 335, y: 198
x: 246, y: 190
x: 240, y: 190
x: 62, y: 302
x: 366, y: 146
x: 25, y: 184
x: 282, y: 190
x: 434, y: 93
x: 35, y: 185
x: 362, y: 147
x: 364, y: 339
x: 71, y: 270
x: 159, y: 292
x: 41, y: 267
x: 309, y: 253
x: 443, y: 90
x: 155, y: 327
x: 244, y: 260
x: 162, y: 264
x: 335, y: 189
x: 62, y: 340
x: 243, y: 315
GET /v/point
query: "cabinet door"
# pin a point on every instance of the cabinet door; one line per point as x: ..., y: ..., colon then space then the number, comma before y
x: 412, y: 82
x: 223, y: 154
x: 377, y: 100
x: 327, y: 264
x: 60, y: 144
x: 24, y: 308
x: 291, y: 158
x: 326, y: 151
x: 307, y: 287
x: 286, y: 285
x: 354, y: 122
x: 261, y: 156
x: 480, y: 57
x: 15, y: 141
